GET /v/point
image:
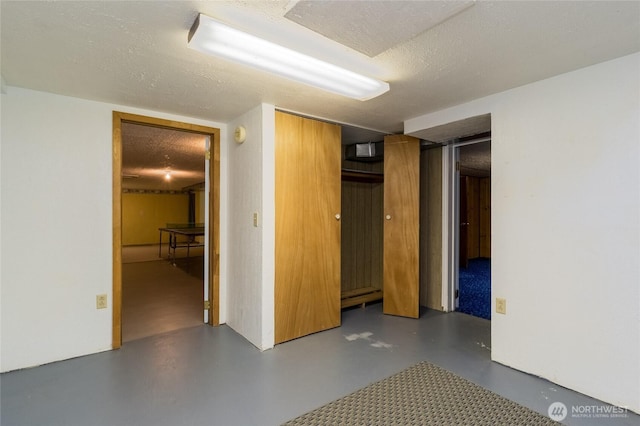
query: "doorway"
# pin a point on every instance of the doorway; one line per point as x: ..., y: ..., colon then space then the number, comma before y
x: 440, y: 210
x: 474, y: 236
x: 191, y: 202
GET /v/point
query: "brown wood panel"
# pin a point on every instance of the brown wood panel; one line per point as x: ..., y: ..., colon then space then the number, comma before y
x: 473, y: 217
x: 348, y: 264
x: 376, y: 235
x: 363, y: 201
x: 361, y: 258
x: 463, y: 226
x: 307, y: 254
x: 401, y: 283
x: 485, y: 217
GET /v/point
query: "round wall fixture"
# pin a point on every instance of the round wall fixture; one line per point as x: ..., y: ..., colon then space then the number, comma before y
x: 240, y: 134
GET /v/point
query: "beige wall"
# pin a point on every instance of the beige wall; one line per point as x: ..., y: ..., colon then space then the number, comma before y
x: 143, y: 214
x: 200, y: 200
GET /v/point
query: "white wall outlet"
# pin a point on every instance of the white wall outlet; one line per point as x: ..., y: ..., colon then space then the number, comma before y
x: 101, y: 301
x: 501, y: 306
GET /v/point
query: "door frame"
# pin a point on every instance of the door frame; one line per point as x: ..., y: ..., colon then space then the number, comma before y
x: 213, y: 237
x: 451, y: 221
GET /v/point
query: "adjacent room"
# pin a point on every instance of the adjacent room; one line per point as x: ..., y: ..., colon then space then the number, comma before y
x: 163, y: 217
x: 474, y: 210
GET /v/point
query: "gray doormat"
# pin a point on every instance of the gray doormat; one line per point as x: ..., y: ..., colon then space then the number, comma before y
x: 422, y: 395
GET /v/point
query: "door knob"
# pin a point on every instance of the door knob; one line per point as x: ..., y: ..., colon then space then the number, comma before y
x: 388, y: 217
x: 337, y: 217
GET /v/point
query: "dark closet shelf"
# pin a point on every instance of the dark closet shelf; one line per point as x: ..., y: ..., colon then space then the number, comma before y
x: 362, y: 176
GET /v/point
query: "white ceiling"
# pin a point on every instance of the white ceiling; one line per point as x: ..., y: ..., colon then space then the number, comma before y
x: 135, y: 53
x: 335, y: 20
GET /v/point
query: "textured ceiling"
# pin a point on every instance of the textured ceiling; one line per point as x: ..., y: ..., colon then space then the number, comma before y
x: 148, y: 153
x: 368, y: 33
x: 134, y: 53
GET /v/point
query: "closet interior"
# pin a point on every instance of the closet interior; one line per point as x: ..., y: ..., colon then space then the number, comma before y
x: 362, y: 229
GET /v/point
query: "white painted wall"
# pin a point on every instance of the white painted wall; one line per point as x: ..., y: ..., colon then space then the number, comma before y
x: 56, y: 243
x: 566, y: 226
x: 250, y: 297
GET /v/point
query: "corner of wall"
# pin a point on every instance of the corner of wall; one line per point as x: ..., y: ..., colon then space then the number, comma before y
x: 251, y: 212
x: 268, y: 226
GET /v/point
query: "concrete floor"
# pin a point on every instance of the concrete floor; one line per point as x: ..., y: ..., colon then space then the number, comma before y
x: 212, y: 376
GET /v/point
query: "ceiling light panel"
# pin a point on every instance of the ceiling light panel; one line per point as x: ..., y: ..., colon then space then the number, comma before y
x: 215, y: 38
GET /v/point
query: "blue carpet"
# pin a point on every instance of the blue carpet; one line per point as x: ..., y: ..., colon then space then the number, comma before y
x: 475, y: 288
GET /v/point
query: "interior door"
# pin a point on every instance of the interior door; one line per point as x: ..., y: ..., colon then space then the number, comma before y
x: 463, y: 245
x: 401, y: 272
x: 307, y: 253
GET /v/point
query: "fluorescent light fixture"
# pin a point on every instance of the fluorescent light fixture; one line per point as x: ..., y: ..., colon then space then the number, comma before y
x: 215, y: 38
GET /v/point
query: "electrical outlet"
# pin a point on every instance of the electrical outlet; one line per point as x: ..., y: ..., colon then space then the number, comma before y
x: 501, y: 305
x: 255, y: 219
x: 101, y: 301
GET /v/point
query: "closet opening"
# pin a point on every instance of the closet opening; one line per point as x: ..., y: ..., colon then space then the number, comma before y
x: 362, y: 199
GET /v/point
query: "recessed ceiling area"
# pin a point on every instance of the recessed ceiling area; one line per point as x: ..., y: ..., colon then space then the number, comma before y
x: 150, y: 153
x: 475, y: 158
x: 457, y: 129
x: 335, y: 20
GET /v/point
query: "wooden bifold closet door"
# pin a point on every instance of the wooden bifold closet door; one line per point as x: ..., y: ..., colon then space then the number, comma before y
x: 307, y: 252
x: 401, y: 268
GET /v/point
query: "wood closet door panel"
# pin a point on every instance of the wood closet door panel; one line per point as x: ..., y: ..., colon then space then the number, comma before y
x: 401, y: 226
x: 307, y: 253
